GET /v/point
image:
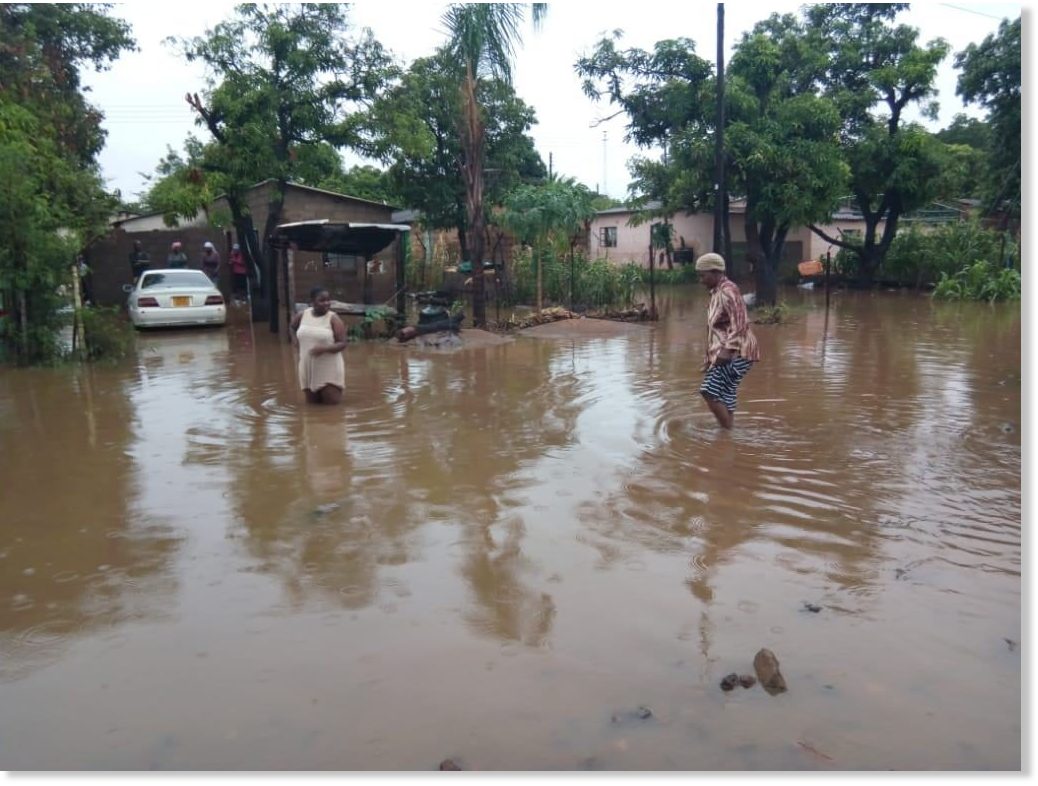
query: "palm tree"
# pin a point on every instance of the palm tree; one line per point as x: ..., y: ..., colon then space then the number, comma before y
x: 482, y: 38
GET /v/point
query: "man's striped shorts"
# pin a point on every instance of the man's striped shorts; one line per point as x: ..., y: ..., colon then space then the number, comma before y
x: 722, y: 382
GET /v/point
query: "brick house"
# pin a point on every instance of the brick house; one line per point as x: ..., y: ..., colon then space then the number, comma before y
x: 109, y: 257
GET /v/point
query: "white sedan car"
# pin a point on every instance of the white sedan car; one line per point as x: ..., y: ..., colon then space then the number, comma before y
x: 162, y: 298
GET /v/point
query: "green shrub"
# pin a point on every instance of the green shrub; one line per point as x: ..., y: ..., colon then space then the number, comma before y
x: 979, y: 281
x: 596, y: 282
x: 918, y: 256
x: 109, y: 335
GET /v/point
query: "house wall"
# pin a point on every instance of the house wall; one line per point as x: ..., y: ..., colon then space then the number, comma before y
x: 109, y: 258
x: 695, y: 231
x: 155, y: 223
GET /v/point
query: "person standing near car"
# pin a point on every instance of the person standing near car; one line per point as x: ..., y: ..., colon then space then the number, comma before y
x: 139, y: 260
x: 238, y: 272
x: 210, y: 261
x: 176, y: 258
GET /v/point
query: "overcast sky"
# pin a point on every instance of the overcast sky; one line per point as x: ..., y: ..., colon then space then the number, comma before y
x: 142, y: 95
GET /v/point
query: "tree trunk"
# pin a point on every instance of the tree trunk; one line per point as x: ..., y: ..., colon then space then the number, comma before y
x: 472, y: 172
x: 726, y: 220
x: 23, y: 320
x: 767, y: 285
x: 868, y: 262
x: 463, y: 245
x: 275, y: 206
x: 755, y: 256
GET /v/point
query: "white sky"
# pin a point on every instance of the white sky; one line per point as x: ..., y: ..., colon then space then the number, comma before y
x: 142, y: 95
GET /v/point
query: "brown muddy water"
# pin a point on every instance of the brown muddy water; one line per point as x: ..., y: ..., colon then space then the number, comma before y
x: 529, y: 540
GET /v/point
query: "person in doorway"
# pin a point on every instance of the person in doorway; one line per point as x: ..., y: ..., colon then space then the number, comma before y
x: 731, y: 347
x: 238, y: 272
x: 176, y: 257
x: 210, y: 261
x: 139, y: 260
x: 320, y: 337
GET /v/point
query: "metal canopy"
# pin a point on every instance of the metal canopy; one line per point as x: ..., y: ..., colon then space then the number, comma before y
x: 364, y: 239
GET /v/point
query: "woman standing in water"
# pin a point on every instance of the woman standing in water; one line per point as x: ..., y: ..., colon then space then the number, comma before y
x: 320, y: 337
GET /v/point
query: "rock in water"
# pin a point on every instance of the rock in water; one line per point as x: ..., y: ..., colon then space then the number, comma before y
x: 642, y: 713
x: 812, y: 607
x: 449, y: 765
x: 324, y: 510
x: 747, y: 680
x: 729, y: 682
x: 767, y: 667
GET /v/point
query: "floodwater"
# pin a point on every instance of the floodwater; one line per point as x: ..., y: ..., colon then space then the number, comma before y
x: 488, y: 555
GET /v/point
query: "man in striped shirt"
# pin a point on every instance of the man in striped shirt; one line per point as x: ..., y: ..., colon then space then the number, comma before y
x: 731, y: 347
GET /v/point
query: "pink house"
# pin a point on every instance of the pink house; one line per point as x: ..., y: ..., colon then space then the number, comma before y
x: 614, y: 237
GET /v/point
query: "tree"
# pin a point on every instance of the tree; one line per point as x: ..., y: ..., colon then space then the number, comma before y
x: 991, y: 77
x: 871, y: 62
x: 784, y: 152
x: 966, y: 165
x: 284, y: 78
x: 414, y: 129
x: 966, y: 130
x: 52, y: 199
x: 781, y: 152
x: 548, y: 216
x: 482, y: 38
x: 181, y: 185
x: 364, y: 181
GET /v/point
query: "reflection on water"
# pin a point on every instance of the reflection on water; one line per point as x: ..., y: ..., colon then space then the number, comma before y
x: 490, y: 553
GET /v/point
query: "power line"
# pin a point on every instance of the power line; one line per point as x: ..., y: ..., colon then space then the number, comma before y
x: 971, y: 11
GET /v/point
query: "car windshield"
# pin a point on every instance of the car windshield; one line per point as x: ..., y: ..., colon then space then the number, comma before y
x: 175, y: 279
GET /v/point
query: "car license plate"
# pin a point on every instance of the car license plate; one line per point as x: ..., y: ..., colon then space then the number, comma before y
x: 181, y: 301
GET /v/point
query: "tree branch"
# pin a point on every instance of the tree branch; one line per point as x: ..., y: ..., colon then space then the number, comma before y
x: 832, y: 240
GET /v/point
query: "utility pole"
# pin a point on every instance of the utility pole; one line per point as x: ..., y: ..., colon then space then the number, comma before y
x: 551, y: 164
x: 719, y: 184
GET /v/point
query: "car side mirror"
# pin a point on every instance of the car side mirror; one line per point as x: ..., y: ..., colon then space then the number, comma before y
x: 127, y: 288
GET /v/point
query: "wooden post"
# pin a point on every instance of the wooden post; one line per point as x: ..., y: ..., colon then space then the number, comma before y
x: 652, y: 280
x: 78, y: 333
x: 540, y: 265
x: 402, y: 253
x: 828, y: 265
x: 719, y: 184
x: 290, y: 287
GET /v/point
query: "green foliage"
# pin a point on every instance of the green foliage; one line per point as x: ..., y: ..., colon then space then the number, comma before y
x: 52, y: 199
x: 364, y: 181
x: 548, y: 215
x: 287, y: 83
x: 181, y: 185
x: 874, y: 70
x: 966, y: 130
x: 109, y: 336
x: 683, y: 274
x: 771, y: 315
x: 596, y: 282
x: 413, y: 129
x: 991, y: 77
x: 781, y: 140
x: 919, y: 256
x: 365, y: 328
x: 979, y: 281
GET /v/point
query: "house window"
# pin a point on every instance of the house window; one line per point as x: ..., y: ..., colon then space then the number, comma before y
x: 346, y: 263
x: 609, y: 237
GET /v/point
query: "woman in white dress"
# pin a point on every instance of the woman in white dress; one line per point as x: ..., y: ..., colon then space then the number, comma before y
x: 320, y: 337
